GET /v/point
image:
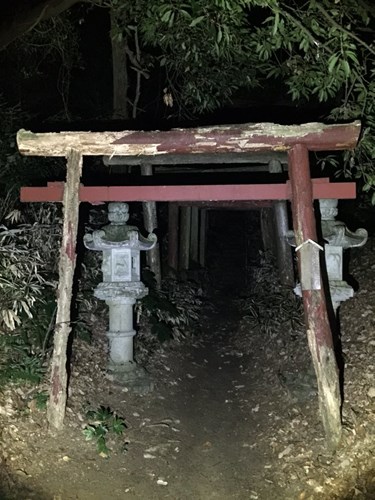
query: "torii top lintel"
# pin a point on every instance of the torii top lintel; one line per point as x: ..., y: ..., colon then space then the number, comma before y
x: 243, y: 138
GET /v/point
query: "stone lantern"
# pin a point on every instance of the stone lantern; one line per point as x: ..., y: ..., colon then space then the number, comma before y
x: 337, y: 238
x: 121, y: 287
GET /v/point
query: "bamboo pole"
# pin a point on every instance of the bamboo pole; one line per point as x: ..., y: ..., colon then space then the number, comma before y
x: 59, y: 377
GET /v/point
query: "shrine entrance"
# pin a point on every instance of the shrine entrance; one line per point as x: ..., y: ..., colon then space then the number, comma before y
x: 235, y: 144
x: 234, y: 243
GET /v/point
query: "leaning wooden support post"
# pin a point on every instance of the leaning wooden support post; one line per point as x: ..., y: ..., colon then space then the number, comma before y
x: 59, y: 377
x: 318, y: 328
x: 150, y: 220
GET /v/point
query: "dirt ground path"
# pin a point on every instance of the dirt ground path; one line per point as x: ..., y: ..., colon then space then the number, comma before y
x: 194, y: 437
x: 233, y: 416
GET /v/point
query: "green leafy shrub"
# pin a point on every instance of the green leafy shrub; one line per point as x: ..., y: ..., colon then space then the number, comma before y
x: 101, y: 422
x: 21, y: 282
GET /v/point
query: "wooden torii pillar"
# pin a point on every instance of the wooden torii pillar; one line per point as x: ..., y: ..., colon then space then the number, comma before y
x: 297, y: 140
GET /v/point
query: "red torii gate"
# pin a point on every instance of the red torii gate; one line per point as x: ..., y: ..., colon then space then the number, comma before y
x: 296, y: 140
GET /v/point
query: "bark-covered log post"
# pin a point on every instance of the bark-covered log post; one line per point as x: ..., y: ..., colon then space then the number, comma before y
x: 317, y: 323
x: 59, y: 376
x: 150, y: 220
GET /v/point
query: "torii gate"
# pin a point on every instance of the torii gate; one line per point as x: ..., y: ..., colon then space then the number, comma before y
x: 296, y: 140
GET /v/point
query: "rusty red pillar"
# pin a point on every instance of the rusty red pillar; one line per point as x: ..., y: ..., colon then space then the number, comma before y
x: 319, y: 332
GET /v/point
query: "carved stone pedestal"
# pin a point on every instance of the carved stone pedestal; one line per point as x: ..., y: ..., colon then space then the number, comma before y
x: 121, y: 287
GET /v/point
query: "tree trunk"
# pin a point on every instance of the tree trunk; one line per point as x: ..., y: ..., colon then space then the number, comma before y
x: 59, y: 377
x: 119, y: 72
x: 318, y: 328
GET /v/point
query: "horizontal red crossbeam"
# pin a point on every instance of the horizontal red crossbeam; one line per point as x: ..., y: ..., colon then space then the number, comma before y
x: 244, y: 192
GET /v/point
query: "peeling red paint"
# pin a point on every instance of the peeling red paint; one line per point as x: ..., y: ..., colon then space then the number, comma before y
x: 316, y: 316
x: 225, y: 192
x: 239, y: 138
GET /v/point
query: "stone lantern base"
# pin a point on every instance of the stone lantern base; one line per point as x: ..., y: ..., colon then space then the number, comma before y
x: 122, y: 369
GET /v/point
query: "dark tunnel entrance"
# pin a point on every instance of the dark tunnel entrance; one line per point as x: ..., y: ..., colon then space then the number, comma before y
x: 233, y: 248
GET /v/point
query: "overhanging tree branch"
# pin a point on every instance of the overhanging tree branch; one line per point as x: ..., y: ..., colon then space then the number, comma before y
x: 344, y: 30
x: 17, y: 17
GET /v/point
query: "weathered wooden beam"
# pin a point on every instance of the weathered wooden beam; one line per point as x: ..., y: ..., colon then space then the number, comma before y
x: 224, y: 139
x: 318, y: 328
x: 223, y: 192
x: 229, y: 204
x: 59, y: 377
x: 172, y: 162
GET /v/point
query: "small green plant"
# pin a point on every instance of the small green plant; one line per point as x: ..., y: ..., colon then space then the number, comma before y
x: 101, y: 422
x: 41, y: 399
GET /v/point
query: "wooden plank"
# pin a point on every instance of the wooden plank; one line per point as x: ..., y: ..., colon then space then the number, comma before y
x: 242, y: 138
x: 225, y: 192
x: 59, y: 377
x: 317, y: 324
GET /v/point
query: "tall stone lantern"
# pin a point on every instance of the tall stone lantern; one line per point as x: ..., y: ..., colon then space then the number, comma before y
x: 337, y: 238
x: 121, y: 287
